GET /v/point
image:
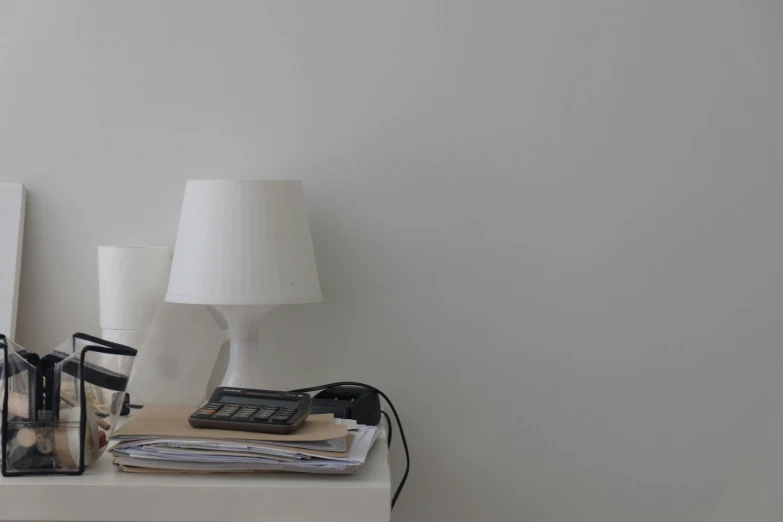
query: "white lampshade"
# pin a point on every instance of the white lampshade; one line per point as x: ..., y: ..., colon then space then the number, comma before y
x: 243, y: 243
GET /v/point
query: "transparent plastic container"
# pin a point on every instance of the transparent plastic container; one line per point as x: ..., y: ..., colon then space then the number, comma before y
x: 59, y: 410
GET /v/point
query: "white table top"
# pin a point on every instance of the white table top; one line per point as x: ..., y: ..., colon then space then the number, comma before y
x: 105, y: 494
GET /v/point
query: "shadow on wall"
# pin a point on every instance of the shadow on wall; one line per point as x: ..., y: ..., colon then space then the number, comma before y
x: 177, y: 357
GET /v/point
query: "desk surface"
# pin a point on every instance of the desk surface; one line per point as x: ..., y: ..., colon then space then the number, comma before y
x: 105, y: 494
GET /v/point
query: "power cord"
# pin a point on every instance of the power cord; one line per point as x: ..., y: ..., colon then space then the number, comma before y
x: 396, y: 417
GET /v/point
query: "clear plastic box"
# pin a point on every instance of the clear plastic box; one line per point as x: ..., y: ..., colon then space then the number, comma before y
x: 59, y: 410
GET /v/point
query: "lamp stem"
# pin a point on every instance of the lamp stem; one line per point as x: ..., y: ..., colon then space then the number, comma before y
x: 244, y: 369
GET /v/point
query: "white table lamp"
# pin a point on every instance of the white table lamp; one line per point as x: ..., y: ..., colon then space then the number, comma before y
x: 243, y: 247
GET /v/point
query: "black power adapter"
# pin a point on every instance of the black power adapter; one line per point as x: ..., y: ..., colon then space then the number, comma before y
x: 349, y: 402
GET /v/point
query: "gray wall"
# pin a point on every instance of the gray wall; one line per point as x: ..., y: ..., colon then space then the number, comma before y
x: 550, y: 230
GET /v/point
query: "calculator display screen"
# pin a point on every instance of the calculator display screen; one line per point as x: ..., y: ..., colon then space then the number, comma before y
x: 255, y: 401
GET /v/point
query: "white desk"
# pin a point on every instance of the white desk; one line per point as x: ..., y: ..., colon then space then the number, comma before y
x: 104, y: 494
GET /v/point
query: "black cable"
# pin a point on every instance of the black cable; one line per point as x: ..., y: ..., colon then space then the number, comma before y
x: 389, y: 428
x: 396, y: 417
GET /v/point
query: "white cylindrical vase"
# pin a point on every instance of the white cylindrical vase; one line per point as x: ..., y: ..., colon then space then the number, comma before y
x: 132, y: 281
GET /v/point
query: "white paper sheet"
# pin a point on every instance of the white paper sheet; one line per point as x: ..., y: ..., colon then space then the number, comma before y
x: 220, y: 456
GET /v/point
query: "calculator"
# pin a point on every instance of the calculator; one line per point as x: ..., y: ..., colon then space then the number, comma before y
x: 243, y: 409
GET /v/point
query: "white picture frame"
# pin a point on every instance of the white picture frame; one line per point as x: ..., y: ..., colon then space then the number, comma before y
x: 12, y: 206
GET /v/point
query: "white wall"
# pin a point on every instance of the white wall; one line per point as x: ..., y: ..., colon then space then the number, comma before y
x: 550, y: 231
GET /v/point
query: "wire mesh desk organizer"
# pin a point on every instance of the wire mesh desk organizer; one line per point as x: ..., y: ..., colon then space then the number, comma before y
x: 58, y: 411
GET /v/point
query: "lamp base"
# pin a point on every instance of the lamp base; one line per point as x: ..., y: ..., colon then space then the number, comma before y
x: 244, y: 369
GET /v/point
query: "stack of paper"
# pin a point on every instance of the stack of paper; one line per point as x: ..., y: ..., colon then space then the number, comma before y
x: 159, y: 439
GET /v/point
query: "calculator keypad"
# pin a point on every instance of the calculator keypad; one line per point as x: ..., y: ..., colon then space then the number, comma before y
x: 207, y: 410
x: 264, y: 414
x: 244, y: 413
x: 282, y: 415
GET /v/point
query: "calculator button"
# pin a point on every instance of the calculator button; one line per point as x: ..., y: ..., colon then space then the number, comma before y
x: 279, y: 418
x: 261, y: 418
